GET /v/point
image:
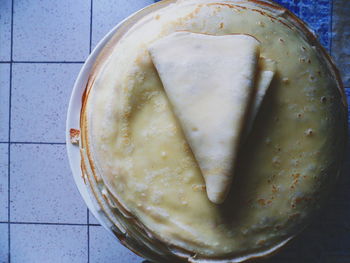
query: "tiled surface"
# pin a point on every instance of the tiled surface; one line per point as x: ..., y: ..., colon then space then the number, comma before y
x: 41, y: 186
x: 104, y: 249
x: 4, y: 100
x: 41, y: 90
x: 107, y: 14
x: 3, y: 183
x: 48, y: 219
x: 5, y: 30
x: 48, y: 243
x: 3, y: 243
x: 92, y: 219
x: 51, y: 30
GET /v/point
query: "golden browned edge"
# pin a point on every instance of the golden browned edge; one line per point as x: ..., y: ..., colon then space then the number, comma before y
x: 74, y: 135
x: 296, y: 24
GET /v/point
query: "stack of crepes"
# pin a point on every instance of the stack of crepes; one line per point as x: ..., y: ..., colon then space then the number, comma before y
x: 216, y: 85
x: 211, y: 130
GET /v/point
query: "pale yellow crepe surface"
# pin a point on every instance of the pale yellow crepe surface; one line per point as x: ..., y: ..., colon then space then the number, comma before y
x: 286, y: 165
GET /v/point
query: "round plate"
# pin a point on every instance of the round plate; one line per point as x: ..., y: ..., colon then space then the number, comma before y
x: 73, y: 122
x: 74, y: 109
x: 75, y: 105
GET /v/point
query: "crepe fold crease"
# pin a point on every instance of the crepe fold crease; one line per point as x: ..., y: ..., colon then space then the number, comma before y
x: 215, y: 87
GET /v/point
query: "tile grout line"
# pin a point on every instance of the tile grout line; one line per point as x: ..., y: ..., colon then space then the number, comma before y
x: 9, y: 140
x: 47, y: 223
x: 41, y: 62
x: 48, y: 62
x: 49, y: 143
x: 87, y: 209
x: 90, y: 43
x: 39, y: 143
x: 88, y: 234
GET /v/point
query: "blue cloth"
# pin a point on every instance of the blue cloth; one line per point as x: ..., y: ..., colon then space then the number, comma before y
x: 316, y: 13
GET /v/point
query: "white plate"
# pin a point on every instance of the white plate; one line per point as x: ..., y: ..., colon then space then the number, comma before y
x: 73, y: 122
x: 74, y: 109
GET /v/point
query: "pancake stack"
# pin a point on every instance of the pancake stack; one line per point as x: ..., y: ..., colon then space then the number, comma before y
x: 211, y: 130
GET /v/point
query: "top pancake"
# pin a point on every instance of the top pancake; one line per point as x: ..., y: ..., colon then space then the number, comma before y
x: 288, y: 162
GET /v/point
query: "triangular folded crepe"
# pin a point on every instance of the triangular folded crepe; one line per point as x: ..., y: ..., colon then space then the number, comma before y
x: 209, y: 81
x: 266, y: 72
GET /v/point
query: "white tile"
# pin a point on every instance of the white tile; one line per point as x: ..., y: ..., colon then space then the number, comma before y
x: 51, y: 30
x: 4, y: 100
x: 5, y: 30
x: 92, y: 219
x: 3, y: 243
x: 104, y: 248
x: 42, y: 187
x: 107, y: 14
x: 3, y: 182
x: 48, y: 243
x: 40, y: 96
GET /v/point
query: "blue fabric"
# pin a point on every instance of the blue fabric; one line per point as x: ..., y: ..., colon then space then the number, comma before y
x: 316, y: 13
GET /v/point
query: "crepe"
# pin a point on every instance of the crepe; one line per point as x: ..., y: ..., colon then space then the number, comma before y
x: 140, y: 168
x: 266, y: 72
x: 209, y: 81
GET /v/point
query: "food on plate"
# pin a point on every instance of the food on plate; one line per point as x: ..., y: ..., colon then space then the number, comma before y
x: 211, y: 130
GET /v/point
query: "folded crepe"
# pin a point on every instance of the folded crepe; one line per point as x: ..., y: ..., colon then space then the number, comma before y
x: 210, y: 82
x: 265, y: 74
